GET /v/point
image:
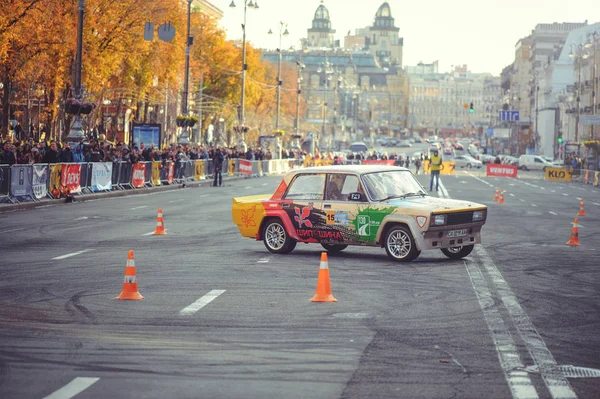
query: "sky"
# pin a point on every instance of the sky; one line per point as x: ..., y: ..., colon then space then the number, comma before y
x: 479, y: 33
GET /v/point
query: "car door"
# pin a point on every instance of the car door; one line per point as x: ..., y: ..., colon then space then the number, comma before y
x: 340, y: 208
x: 303, y: 203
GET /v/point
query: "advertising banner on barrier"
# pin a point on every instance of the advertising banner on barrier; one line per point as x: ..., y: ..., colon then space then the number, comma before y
x: 245, y: 167
x: 558, y: 174
x: 4, y: 180
x: 55, y: 173
x: 171, y: 176
x: 138, y: 174
x: 101, y: 176
x: 231, y: 169
x: 596, y: 174
x: 494, y: 169
x: 20, y: 181
x: 156, y: 173
x: 71, y: 177
x: 41, y: 174
x: 198, y: 170
x: 389, y: 162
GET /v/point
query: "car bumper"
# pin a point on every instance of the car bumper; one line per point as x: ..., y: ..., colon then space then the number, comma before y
x: 438, y: 237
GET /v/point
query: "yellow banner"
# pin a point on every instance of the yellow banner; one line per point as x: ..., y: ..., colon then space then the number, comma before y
x: 558, y: 174
x: 198, y: 170
x: 596, y: 178
x: 156, y: 173
x: 55, y: 172
x: 447, y: 167
x: 231, y: 170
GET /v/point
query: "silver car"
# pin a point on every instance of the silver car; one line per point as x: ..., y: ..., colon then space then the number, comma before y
x: 467, y: 161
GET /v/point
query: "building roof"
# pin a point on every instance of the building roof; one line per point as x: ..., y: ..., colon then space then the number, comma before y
x: 384, y: 19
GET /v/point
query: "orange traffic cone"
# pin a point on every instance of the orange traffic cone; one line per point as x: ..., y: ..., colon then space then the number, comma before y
x: 323, y: 293
x: 574, y: 240
x: 497, y: 196
x: 581, y: 208
x: 130, y: 287
x: 160, y: 224
x: 501, y: 199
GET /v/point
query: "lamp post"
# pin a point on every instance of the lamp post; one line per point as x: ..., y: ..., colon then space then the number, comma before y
x: 184, y: 138
x: 282, y: 32
x: 251, y: 4
x: 299, y: 67
x: 327, y: 71
x: 76, y: 131
x: 591, y: 42
x: 579, y: 54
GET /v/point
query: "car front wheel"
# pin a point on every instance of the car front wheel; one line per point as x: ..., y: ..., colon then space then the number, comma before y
x: 458, y: 252
x: 276, y: 238
x: 334, y: 248
x: 400, y: 244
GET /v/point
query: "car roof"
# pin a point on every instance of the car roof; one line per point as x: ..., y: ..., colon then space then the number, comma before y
x: 355, y: 169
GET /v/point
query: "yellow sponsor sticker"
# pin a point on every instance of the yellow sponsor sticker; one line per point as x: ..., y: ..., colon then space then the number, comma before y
x: 558, y: 174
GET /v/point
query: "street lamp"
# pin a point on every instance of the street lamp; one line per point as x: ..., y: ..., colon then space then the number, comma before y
x: 251, y: 4
x: 76, y: 131
x: 579, y: 54
x: 282, y: 32
x: 184, y: 138
x: 299, y: 67
x: 591, y: 42
x: 327, y: 71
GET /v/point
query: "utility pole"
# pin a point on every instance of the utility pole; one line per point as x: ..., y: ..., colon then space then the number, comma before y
x: 199, y: 138
x: 76, y: 132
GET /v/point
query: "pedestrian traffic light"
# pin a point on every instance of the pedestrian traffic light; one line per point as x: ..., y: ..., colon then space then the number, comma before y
x: 471, y: 110
x: 559, y: 139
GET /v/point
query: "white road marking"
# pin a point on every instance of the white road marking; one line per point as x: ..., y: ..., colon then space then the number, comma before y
x: 512, y: 184
x: 73, y: 388
x: 511, y: 194
x: 72, y: 254
x: 152, y: 232
x: 554, y: 379
x: 481, y: 180
x: 443, y: 190
x: 552, y: 191
x: 10, y: 231
x: 595, y: 203
x: 203, y: 195
x: 139, y: 207
x: 82, y: 218
x: 522, y: 200
x: 177, y: 200
x: 200, y: 303
x: 565, y: 194
x: 534, y: 205
x: 518, y: 381
x: 247, y: 187
x: 264, y: 184
x: 553, y: 213
x: 264, y: 260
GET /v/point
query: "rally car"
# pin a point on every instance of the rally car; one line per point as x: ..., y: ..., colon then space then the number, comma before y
x: 368, y: 205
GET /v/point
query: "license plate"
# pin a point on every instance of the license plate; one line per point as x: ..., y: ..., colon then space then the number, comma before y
x: 457, y: 233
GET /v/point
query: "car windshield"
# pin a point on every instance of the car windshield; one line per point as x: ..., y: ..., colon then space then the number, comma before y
x: 392, y: 184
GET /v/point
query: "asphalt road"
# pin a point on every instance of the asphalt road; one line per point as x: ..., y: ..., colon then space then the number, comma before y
x: 500, y: 324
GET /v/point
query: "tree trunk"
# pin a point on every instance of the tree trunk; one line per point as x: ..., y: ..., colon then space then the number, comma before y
x: 5, y: 104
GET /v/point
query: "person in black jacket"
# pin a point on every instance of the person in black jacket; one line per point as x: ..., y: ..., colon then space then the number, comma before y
x: 66, y: 155
x: 8, y: 157
x: 218, y: 160
x: 51, y: 155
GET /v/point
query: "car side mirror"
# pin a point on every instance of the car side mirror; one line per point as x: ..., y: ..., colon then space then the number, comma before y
x: 355, y: 197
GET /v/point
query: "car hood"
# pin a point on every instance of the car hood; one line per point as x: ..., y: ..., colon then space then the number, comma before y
x: 434, y: 204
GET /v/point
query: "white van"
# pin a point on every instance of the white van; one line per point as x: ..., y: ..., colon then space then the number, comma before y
x: 359, y: 146
x: 533, y: 162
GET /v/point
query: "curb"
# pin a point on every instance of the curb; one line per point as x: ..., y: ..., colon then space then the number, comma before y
x: 112, y: 194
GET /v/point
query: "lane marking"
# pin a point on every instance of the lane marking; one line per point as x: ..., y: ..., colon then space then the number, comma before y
x: 12, y: 230
x: 522, y: 200
x: 249, y: 187
x: 553, y: 213
x: 139, y: 207
x: 595, y: 203
x: 555, y: 381
x: 203, y: 195
x: 534, y: 205
x: 481, y: 180
x: 72, y: 254
x: 73, y: 388
x: 511, y: 194
x: 443, y: 189
x: 177, y: 200
x: 264, y: 184
x: 519, y: 382
x: 552, y: 191
x: 565, y: 194
x: 152, y: 232
x: 264, y: 260
x: 200, y: 303
x: 82, y: 218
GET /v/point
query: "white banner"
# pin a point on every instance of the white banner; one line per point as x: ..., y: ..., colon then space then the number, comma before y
x: 101, y: 176
x: 40, y: 180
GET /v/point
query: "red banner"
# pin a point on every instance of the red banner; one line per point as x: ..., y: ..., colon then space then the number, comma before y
x: 245, y: 167
x: 389, y: 162
x: 502, y: 170
x: 71, y: 177
x: 171, y: 175
x: 138, y: 175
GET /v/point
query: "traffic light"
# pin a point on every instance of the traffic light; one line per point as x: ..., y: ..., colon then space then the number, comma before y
x: 471, y: 110
x: 559, y: 139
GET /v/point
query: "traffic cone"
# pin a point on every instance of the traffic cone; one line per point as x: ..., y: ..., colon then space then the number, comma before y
x: 574, y: 240
x: 497, y: 196
x: 501, y: 199
x: 581, y: 208
x: 130, y: 287
x: 160, y: 224
x: 323, y: 293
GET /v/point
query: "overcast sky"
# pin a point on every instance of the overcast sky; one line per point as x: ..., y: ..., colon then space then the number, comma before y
x: 479, y: 33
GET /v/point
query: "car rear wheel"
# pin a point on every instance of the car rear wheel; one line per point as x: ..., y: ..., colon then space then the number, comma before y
x: 334, y: 248
x: 468, y: 166
x: 458, y: 252
x: 276, y: 238
x: 400, y: 244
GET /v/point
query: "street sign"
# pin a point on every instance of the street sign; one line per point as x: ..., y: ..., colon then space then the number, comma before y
x: 509, y: 116
x: 588, y: 120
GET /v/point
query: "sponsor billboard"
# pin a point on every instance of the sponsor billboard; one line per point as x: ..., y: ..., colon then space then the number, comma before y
x: 502, y: 170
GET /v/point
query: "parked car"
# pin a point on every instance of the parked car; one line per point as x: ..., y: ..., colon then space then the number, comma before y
x: 359, y: 146
x: 467, y: 161
x: 404, y: 144
x: 534, y: 162
x: 364, y: 205
x: 487, y: 158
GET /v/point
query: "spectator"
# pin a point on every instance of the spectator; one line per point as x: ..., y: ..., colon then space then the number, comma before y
x: 66, y: 155
x: 8, y: 156
x: 78, y: 154
x: 218, y: 160
x: 51, y: 155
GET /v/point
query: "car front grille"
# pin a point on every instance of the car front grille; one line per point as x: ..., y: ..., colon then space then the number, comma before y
x: 459, y: 218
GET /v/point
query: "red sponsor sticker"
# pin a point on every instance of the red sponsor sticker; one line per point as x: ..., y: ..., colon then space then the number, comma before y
x: 502, y: 170
x: 138, y: 175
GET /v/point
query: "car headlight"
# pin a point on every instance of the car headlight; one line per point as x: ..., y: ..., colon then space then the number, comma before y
x: 478, y: 216
x: 439, y: 220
